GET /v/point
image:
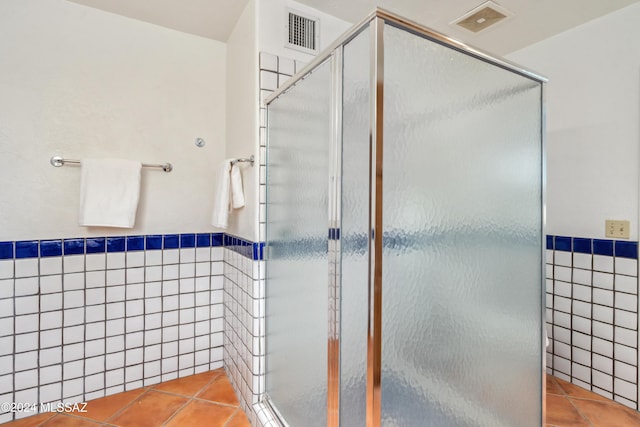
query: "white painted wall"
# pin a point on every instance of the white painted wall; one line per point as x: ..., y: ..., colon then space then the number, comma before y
x: 80, y: 83
x: 273, y: 23
x: 242, y: 117
x: 593, y: 114
x: 260, y: 28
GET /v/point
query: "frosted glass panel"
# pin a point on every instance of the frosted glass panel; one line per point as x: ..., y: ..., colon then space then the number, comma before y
x: 297, y: 237
x: 462, y: 238
x: 355, y: 222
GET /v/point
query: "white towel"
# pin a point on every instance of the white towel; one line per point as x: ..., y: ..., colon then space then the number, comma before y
x: 229, y: 194
x: 109, y: 192
x: 237, y: 193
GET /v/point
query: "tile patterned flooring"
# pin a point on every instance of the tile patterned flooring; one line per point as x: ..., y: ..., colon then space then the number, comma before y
x: 205, y: 399
x: 571, y: 406
x: 208, y: 399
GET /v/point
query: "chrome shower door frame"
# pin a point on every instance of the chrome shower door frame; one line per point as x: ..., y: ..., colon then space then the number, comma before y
x: 376, y: 22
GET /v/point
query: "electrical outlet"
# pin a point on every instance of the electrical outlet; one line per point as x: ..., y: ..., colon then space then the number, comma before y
x: 616, y: 228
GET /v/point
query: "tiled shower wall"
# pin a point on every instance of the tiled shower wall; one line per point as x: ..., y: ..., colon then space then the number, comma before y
x: 84, y: 318
x: 244, y: 271
x: 592, y: 315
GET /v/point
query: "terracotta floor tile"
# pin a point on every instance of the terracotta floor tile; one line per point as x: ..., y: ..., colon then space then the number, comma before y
x: 607, y: 414
x: 62, y: 420
x: 105, y: 407
x: 577, y: 391
x: 553, y: 387
x: 188, y: 386
x: 199, y: 413
x: 561, y: 412
x: 32, y: 421
x: 239, y: 420
x: 220, y: 390
x: 150, y: 410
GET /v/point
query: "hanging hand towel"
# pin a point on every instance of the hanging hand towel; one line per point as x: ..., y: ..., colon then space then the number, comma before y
x: 237, y: 193
x: 229, y: 194
x: 109, y: 192
x: 220, y: 217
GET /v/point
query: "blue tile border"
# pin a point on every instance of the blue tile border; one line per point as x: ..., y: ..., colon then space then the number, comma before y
x: 171, y: 241
x: 626, y: 249
x: 114, y: 244
x: 604, y: 247
x: 135, y: 243
x: 249, y: 249
x: 562, y: 243
x: 50, y: 248
x: 73, y: 246
x: 153, y: 241
x: 96, y: 245
x: 27, y: 249
x: 6, y: 250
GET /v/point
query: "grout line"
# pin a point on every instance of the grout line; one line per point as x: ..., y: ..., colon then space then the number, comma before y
x: 585, y: 418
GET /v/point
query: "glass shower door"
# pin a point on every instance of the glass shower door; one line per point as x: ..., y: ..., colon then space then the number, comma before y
x: 461, y: 281
x: 297, y: 232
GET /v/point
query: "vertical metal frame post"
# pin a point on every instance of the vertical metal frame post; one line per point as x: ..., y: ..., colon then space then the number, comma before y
x: 543, y: 244
x: 374, y: 328
x: 335, y: 254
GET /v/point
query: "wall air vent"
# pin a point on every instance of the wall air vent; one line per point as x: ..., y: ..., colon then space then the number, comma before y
x: 302, y: 32
x: 482, y: 17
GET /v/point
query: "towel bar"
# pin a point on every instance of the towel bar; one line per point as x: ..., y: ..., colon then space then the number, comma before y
x: 249, y: 160
x: 58, y: 161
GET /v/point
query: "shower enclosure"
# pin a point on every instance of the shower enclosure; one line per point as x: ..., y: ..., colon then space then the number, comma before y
x: 404, y: 236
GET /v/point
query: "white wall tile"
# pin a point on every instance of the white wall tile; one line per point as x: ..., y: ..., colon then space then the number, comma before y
x: 49, y: 265
x: 95, y: 262
x: 26, y: 267
x: 626, y: 302
x: 286, y: 66
x: 116, y: 277
x: 626, y: 319
x: 582, y: 276
x: 95, y: 279
x: 26, y: 286
x: 562, y: 304
x: 603, y: 330
x: 602, y: 380
x: 73, y: 263
x: 581, y: 340
x: 603, y: 263
x: 625, y: 389
x: 582, y: 293
x: 603, y: 297
x: 170, y: 256
x: 626, y: 372
x: 153, y: 257
x: 268, y: 61
x: 626, y: 284
x: 583, y: 261
x: 602, y: 347
x: 626, y: 337
x: 6, y: 269
x: 602, y: 313
x: 135, y: 275
x: 135, y: 259
x: 626, y: 266
x: 116, y: 260
x: 625, y: 354
x: 563, y: 258
x: 562, y: 289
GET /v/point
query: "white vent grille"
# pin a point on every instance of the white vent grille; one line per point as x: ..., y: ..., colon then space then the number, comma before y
x: 302, y: 32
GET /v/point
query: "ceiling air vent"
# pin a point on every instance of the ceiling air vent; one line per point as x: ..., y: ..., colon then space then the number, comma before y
x: 302, y: 32
x: 483, y: 17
